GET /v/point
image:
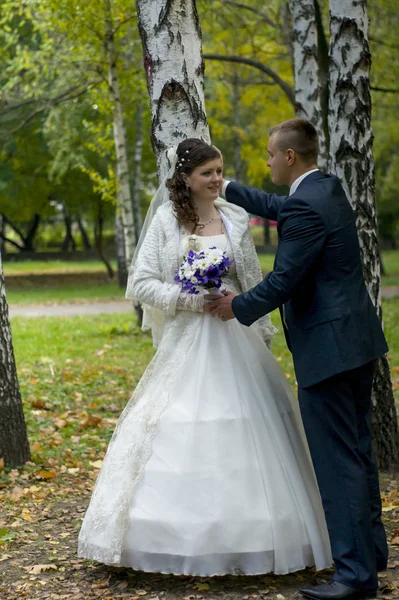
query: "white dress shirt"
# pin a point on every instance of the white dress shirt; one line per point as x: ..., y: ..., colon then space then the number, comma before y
x: 297, y: 181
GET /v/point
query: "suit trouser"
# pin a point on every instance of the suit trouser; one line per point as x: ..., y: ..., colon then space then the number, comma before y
x: 336, y: 415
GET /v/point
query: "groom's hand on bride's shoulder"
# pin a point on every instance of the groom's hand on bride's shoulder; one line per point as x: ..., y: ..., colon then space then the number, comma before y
x: 220, y: 307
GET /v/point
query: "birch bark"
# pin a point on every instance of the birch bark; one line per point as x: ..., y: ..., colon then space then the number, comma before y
x: 351, y: 152
x: 125, y: 205
x: 308, y: 81
x: 171, y: 39
x: 14, y: 446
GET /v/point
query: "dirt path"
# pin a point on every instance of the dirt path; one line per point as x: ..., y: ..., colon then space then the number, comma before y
x: 70, y: 310
x: 97, y: 308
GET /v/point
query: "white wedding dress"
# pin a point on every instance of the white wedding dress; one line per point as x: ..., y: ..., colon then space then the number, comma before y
x: 223, y: 483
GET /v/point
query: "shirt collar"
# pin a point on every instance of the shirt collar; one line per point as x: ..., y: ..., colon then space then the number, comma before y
x: 297, y: 181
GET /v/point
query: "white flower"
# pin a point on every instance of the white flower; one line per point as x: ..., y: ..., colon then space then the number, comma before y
x: 214, y: 255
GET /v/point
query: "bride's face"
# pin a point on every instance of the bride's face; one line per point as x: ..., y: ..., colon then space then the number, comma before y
x: 205, y: 181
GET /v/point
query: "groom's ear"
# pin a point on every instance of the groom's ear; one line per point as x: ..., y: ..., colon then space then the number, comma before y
x: 290, y: 155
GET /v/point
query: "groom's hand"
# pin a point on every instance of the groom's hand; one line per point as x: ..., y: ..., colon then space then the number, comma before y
x: 221, y: 307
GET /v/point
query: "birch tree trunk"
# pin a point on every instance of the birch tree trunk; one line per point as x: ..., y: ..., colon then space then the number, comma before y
x: 308, y: 78
x: 122, y: 267
x: 14, y: 446
x: 351, y: 142
x: 125, y: 201
x: 138, y: 156
x: 171, y: 38
x: 237, y: 127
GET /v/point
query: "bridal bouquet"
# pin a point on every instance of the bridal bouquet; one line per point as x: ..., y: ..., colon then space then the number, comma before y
x: 203, y: 269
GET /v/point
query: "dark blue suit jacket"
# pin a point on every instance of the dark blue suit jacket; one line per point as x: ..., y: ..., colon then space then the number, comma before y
x: 331, y: 324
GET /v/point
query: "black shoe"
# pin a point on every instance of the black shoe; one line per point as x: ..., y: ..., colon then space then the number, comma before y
x: 333, y: 590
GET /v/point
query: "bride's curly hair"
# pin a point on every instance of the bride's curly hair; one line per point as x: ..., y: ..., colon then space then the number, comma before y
x: 190, y: 154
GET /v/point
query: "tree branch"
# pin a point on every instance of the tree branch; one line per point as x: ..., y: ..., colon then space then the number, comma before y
x: 387, y: 90
x: 286, y: 87
x: 8, y: 222
x: 46, y: 101
x: 11, y: 107
x: 382, y: 43
x: 6, y: 239
x: 64, y: 97
x: 252, y: 9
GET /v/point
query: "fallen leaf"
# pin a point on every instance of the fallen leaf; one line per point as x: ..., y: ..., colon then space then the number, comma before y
x: 26, y: 515
x: 393, y: 564
x: 202, y: 587
x: 38, y: 403
x: 1, y: 464
x: 97, y: 464
x: 91, y: 421
x: 17, y: 493
x: 6, y: 536
x: 47, y: 474
x: 36, y: 569
x: 36, y: 447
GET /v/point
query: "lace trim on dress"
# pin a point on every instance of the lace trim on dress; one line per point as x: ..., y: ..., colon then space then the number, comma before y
x: 102, y: 534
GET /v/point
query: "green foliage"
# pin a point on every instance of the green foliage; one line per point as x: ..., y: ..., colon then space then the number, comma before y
x: 52, y: 54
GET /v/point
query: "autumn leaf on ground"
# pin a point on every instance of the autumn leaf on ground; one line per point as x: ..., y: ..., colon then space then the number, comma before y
x: 395, y: 538
x: 97, y: 464
x: 6, y: 535
x: 36, y: 569
x: 47, y: 474
x: 1, y: 464
x: 91, y: 421
x: 202, y: 587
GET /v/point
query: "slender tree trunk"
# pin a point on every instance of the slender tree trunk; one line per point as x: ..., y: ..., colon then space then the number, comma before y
x: 17, y: 230
x: 14, y: 446
x: 171, y: 37
x: 68, y: 239
x: 100, y: 241
x: 85, y: 238
x: 31, y: 233
x: 138, y: 156
x: 308, y: 84
x: 237, y: 126
x: 1, y: 234
x: 125, y: 200
x: 138, y: 221
x: 351, y: 153
x: 120, y: 253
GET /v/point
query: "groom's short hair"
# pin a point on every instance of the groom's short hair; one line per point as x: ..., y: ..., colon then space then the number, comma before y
x: 299, y: 135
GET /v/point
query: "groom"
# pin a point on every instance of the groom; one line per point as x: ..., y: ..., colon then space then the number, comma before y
x: 335, y: 336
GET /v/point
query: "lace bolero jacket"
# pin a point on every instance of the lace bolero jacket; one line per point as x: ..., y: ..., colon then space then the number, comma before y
x: 152, y: 281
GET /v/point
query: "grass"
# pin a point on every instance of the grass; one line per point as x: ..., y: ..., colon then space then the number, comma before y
x: 56, y: 281
x: 32, y: 267
x: 76, y: 375
x: 90, y: 292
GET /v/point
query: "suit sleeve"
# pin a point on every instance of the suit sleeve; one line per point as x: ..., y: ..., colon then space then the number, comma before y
x: 254, y: 201
x: 302, y: 236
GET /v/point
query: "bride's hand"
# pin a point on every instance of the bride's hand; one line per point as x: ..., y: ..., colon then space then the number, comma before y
x: 221, y: 307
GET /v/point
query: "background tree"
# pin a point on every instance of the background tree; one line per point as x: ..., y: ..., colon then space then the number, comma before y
x: 351, y: 152
x: 14, y: 446
x: 171, y: 39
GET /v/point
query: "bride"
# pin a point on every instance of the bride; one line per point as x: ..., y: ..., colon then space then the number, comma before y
x: 208, y: 471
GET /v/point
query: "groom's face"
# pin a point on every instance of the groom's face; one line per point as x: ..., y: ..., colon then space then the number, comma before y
x: 277, y: 162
